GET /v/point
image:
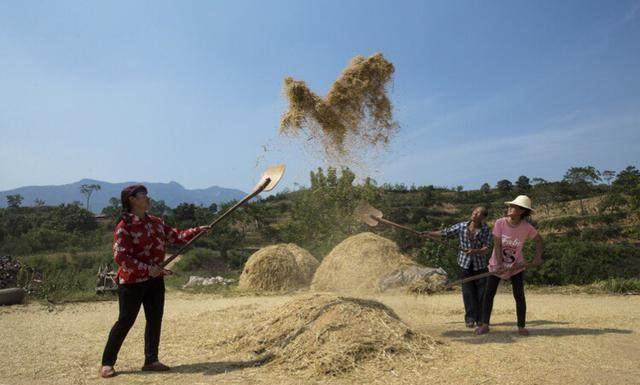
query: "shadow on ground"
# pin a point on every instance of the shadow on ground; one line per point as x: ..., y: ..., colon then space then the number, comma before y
x: 500, y: 335
x: 529, y: 323
x: 210, y: 368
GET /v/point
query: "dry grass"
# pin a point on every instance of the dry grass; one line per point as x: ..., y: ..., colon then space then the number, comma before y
x: 575, y: 339
x: 574, y: 207
x: 324, y: 334
x: 356, y: 108
x: 358, y: 263
x: 278, y: 267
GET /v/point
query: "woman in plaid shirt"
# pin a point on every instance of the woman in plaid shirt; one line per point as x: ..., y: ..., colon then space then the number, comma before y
x: 139, y: 249
x: 474, y: 237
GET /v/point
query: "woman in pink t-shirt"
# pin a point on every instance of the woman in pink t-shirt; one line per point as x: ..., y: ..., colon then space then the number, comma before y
x: 507, y: 261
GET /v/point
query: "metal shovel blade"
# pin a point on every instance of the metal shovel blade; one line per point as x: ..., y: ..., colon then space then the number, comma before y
x: 368, y: 214
x: 273, y: 174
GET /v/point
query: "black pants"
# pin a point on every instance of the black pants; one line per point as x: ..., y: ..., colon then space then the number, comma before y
x: 150, y: 294
x: 472, y: 294
x: 517, y: 283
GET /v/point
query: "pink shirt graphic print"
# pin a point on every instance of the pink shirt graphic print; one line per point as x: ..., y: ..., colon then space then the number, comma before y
x: 513, y: 239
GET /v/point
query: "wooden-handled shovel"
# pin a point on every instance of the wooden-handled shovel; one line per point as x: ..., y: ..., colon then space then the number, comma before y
x: 527, y: 266
x: 372, y: 216
x: 268, y: 181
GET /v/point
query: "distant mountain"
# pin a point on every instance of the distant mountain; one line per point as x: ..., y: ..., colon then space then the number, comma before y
x: 172, y: 193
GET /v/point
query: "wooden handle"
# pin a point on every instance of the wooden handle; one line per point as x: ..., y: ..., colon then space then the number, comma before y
x: 527, y: 266
x: 397, y: 225
x: 255, y: 192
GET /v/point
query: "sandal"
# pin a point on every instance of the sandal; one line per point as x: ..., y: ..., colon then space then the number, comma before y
x: 107, y: 371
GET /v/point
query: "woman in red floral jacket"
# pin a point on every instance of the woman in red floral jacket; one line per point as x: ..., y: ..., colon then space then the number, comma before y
x: 138, y: 249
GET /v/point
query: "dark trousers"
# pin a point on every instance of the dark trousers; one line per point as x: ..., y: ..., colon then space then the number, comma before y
x: 472, y: 294
x: 150, y: 294
x: 517, y: 283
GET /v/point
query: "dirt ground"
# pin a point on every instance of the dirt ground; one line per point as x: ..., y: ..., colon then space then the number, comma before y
x: 575, y: 339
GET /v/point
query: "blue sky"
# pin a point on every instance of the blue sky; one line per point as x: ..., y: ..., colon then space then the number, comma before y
x: 191, y: 91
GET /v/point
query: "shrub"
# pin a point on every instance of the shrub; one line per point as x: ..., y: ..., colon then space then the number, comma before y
x: 198, y: 259
x: 582, y: 262
x: 622, y: 286
x: 569, y: 221
x: 442, y: 254
x: 602, y: 233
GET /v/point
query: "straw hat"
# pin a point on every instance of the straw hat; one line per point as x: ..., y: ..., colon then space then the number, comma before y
x: 522, y: 201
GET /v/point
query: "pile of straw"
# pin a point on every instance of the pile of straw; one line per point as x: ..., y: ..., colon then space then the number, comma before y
x: 325, y: 334
x: 357, y: 106
x: 278, y: 267
x: 358, y: 263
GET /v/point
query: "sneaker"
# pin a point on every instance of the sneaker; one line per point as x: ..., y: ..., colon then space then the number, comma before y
x: 156, y: 367
x: 107, y: 371
x: 470, y: 324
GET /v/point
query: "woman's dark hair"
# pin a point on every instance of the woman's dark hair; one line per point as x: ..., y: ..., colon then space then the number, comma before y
x: 526, y: 214
x: 484, y: 209
x: 127, y: 192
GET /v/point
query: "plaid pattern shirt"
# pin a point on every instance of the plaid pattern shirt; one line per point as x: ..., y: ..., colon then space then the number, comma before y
x: 480, y: 239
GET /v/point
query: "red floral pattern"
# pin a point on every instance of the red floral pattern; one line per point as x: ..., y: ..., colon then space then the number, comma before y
x: 139, y: 243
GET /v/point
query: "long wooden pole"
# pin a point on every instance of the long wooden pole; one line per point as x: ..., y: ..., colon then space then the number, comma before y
x: 255, y: 192
x: 396, y: 225
x: 482, y: 275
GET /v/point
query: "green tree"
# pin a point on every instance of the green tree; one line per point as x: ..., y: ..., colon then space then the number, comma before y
x: 582, y: 176
x: 113, y: 209
x: 485, y: 189
x: 608, y: 175
x: 543, y: 193
x: 612, y: 202
x: 229, y: 233
x: 523, y: 183
x: 185, y: 215
x: 538, y: 181
x: 72, y: 217
x: 87, y: 190
x: 627, y: 179
x: 504, y: 186
x: 322, y: 215
x: 370, y: 192
x: 159, y: 208
x: 14, y: 201
x: 579, y: 181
